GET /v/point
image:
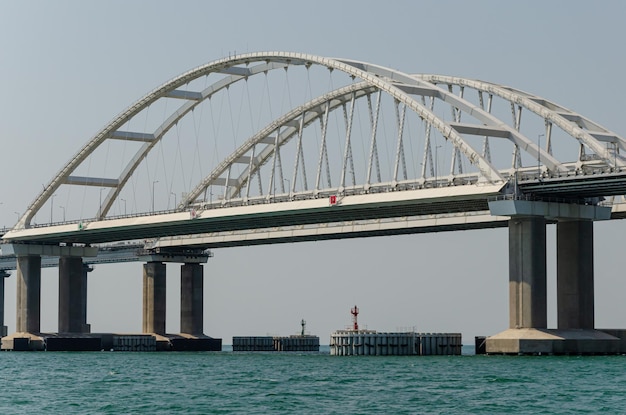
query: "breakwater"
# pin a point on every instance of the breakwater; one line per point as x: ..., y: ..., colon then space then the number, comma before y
x: 372, y: 343
x: 297, y: 343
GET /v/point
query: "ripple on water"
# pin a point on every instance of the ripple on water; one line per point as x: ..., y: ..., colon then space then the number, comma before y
x: 219, y: 383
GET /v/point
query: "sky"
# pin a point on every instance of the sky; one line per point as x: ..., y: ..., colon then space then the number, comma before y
x: 68, y: 67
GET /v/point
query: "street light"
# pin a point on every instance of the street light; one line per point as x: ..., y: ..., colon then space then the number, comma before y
x: 63, y: 207
x: 51, y: 206
x: 288, y: 185
x: 124, y: 200
x: 153, y: 183
x: 539, y: 154
x: 100, y: 205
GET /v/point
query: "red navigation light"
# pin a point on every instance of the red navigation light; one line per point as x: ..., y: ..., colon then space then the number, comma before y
x: 332, y: 200
x: 355, y: 312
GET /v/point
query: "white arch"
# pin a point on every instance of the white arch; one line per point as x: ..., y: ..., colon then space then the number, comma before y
x: 401, y: 86
x: 569, y: 121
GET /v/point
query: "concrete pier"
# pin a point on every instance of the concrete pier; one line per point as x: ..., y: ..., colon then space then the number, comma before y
x: 3, y: 328
x: 191, y: 299
x: 574, y: 278
x: 154, y: 298
x: 72, y: 295
x: 527, y: 273
x: 528, y: 332
x: 28, y: 294
x: 86, y: 326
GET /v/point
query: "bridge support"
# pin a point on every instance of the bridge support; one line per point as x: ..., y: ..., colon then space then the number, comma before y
x: 191, y: 336
x: 527, y: 273
x: 574, y: 278
x: 191, y: 299
x: 28, y: 294
x: 28, y: 314
x: 154, y: 297
x: 528, y: 332
x: 86, y: 328
x: 72, y: 295
x: 3, y: 328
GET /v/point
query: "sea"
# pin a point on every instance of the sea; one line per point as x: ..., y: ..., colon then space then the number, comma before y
x: 308, y: 383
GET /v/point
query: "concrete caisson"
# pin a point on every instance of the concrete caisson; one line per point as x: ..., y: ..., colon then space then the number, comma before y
x: 372, y: 343
x: 296, y: 343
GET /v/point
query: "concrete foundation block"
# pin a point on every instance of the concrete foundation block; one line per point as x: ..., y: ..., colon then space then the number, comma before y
x: 553, y: 341
x: 22, y: 342
x: 620, y: 334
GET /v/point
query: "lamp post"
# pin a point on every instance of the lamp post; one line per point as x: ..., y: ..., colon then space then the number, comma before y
x: 51, y: 206
x: 436, y: 166
x: 124, y: 200
x: 288, y: 185
x: 100, y: 205
x: 539, y: 155
x: 63, y: 207
x: 153, y: 183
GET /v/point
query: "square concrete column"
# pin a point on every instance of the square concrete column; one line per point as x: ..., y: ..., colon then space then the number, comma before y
x: 191, y: 299
x: 527, y: 272
x: 3, y: 328
x: 72, y: 295
x: 154, y: 297
x: 574, y: 275
x: 28, y: 294
x: 86, y: 328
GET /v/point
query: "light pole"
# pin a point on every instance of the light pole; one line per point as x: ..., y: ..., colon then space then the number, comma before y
x: 51, y: 206
x: 288, y: 185
x: 18, y: 216
x: 153, y: 183
x: 63, y: 207
x: 100, y: 205
x: 539, y: 155
x: 124, y: 200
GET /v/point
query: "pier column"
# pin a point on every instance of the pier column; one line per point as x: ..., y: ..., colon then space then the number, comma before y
x: 154, y: 297
x: 3, y: 328
x: 574, y: 278
x: 28, y: 294
x: 527, y: 272
x: 72, y: 295
x: 191, y: 299
x: 86, y: 328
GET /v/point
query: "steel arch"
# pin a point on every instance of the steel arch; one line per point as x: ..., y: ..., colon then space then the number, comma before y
x: 576, y: 125
x: 401, y: 86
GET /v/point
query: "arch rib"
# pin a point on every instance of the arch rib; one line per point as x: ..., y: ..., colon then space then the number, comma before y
x: 549, y: 111
x: 400, y: 86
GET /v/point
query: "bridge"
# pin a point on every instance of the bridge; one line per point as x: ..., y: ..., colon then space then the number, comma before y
x: 279, y: 147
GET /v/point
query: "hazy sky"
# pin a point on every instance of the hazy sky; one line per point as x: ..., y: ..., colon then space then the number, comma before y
x: 68, y: 67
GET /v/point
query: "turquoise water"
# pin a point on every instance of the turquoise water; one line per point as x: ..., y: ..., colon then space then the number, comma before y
x: 292, y: 383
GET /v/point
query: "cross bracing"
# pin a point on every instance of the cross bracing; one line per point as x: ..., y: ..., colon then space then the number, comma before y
x: 263, y: 128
